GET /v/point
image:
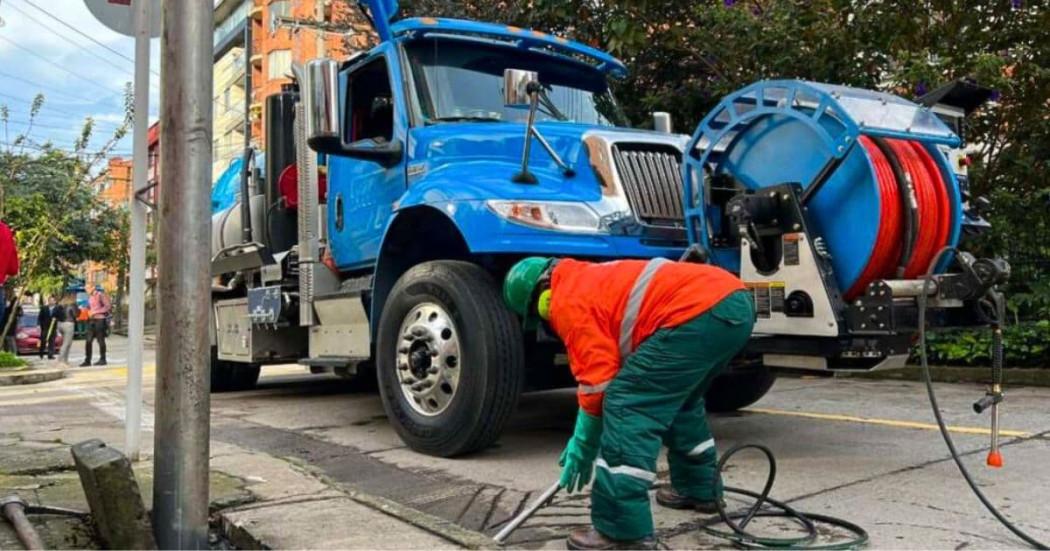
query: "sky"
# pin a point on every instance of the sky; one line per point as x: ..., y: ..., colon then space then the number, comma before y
x: 38, y: 54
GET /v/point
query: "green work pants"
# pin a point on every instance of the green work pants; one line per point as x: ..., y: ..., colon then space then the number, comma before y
x: 658, y: 397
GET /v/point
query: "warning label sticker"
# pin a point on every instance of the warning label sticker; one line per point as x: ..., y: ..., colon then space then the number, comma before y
x: 768, y: 295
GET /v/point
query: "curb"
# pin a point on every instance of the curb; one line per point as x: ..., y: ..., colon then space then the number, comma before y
x: 31, y: 376
x: 945, y: 374
x: 243, y: 537
x: 435, y: 525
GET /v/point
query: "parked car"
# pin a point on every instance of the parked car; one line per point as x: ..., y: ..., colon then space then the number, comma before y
x: 27, y: 332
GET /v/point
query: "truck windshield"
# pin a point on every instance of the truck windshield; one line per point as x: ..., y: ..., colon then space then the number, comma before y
x: 463, y: 80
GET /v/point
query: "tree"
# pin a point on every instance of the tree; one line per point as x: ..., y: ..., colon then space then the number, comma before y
x: 49, y: 201
x: 685, y: 56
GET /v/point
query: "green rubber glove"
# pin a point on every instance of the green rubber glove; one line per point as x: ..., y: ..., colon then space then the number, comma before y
x: 577, y: 460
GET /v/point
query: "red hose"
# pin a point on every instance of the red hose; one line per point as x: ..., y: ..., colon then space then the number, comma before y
x: 944, y: 209
x: 934, y: 212
x: 931, y: 205
x: 887, y: 250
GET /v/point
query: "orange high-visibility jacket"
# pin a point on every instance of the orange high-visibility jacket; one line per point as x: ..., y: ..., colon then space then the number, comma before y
x: 602, y: 312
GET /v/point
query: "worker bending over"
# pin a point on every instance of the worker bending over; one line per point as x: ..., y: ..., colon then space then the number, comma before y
x: 644, y: 339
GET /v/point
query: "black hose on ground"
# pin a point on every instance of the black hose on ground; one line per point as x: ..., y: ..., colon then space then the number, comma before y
x: 927, y: 280
x: 808, y: 521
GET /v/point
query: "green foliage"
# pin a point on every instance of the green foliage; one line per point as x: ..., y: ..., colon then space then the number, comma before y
x: 48, y: 197
x: 1026, y: 345
x: 56, y: 217
x: 9, y: 360
x: 685, y: 56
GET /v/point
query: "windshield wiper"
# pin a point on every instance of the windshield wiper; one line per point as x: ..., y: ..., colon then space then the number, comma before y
x: 461, y: 118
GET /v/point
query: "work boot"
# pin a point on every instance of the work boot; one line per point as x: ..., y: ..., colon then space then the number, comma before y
x: 85, y: 363
x: 671, y: 499
x: 589, y: 538
x: 101, y: 362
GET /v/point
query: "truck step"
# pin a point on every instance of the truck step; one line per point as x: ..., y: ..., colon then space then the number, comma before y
x: 331, y: 361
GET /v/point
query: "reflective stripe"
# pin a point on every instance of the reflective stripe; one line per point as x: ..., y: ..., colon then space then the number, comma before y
x: 634, y: 304
x: 593, y: 389
x: 702, y: 447
x: 633, y: 472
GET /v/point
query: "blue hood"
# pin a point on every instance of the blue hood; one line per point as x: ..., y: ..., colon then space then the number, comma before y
x: 457, y: 147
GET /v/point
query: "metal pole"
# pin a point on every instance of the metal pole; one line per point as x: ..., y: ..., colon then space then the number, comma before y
x: 181, y: 436
x: 14, y: 510
x: 517, y: 521
x: 246, y: 157
x: 247, y: 83
x: 137, y: 286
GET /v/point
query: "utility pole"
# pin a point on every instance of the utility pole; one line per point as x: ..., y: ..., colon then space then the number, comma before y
x: 137, y: 258
x: 180, y: 484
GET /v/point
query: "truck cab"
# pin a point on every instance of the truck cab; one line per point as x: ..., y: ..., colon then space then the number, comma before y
x: 397, y: 273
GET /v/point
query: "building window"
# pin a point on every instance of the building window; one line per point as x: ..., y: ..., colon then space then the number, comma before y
x: 279, y: 64
x: 279, y: 8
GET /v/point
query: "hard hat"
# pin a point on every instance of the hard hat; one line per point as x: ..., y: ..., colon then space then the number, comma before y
x: 520, y: 285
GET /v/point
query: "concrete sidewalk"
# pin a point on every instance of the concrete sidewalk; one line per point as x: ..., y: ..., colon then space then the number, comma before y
x: 258, y: 501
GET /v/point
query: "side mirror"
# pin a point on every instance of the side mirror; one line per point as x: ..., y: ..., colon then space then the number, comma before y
x: 518, y: 85
x: 319, y: 87
x: 370, y: 149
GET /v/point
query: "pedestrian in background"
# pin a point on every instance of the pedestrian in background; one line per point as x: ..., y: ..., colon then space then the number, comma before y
x: 46, y: 321
x: 65, y: 320
x: 8, y: 265
x: 99, y: 307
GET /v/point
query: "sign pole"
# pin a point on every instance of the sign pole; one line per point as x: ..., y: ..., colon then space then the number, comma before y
x: 137, y: 286
x: 181, y: 436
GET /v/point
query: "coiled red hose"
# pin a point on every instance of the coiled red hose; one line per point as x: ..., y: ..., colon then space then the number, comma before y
x: 938, y: 217
x: 883, y: 256
x: 934, y: 210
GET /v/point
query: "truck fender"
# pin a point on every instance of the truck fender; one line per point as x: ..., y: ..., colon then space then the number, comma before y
x: 415, y: 234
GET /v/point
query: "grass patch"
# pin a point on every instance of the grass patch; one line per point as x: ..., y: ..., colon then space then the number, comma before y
x: 11, y: 361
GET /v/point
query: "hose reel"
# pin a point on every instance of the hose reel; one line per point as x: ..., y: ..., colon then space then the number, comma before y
x: 876, y: 188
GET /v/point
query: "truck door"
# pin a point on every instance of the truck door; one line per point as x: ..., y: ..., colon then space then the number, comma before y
x: 361, y: 192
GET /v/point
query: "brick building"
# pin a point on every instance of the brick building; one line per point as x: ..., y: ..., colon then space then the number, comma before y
x: 114, y: 190
x: 283, y: 32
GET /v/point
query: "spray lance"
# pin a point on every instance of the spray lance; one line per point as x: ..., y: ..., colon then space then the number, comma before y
x: 980, y: 278
x: 996, y: 303
x: 984, y: 276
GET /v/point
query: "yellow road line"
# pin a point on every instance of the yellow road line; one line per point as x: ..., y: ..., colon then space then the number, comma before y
x: 8, y: 392
x: 888, y: 422
x: 34, y: 401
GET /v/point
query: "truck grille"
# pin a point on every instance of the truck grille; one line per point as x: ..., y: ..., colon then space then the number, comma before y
x: 650, y: 175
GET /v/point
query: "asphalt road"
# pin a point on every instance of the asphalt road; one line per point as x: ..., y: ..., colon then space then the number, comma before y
x: 863, y: 450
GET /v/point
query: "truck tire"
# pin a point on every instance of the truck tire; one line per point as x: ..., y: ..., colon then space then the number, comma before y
x: 449, y: 358
x: 739, y: 387
x: 229, y: 376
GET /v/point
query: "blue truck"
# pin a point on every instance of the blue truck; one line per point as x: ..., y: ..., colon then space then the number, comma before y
x: 400, y: 184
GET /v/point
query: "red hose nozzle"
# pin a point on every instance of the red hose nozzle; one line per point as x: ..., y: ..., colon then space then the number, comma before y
x: 995, y: 459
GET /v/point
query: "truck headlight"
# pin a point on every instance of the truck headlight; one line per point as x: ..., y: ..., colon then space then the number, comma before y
x: 549, y: 215
x: 22, y: 336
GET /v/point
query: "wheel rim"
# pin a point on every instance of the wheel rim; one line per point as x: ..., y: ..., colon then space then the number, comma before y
x: 428, y: 359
